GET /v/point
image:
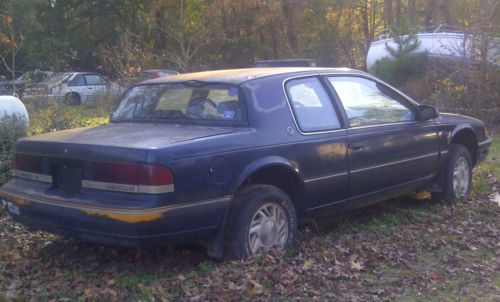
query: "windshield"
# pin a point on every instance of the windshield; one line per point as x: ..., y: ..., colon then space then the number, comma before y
x: 24, y: 76
x: 57, y: 79
x: 182, y: 103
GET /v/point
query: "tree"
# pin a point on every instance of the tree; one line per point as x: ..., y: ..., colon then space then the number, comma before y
x: 403, y: 64
x: 12, y: 41
x: 187, y: 29
x: 389, y: 19
x: 405, y: 39
x: 123, y: 56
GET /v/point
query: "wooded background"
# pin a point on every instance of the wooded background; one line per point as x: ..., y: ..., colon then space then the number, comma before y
x: 116, y: 37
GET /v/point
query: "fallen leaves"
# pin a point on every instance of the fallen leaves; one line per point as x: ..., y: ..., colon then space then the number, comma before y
x: 356, y: 266
x: 400, y: 249
x: 309, y: 263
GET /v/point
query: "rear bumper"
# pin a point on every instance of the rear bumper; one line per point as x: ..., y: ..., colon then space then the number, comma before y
x: 130, y: 227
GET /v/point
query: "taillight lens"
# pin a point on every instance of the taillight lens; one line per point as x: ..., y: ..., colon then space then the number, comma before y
x: 133, y: 174
x: 28, y: 163
x: 155, y: 175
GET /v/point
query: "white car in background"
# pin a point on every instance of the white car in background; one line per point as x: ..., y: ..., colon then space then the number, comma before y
x: 74, y: 88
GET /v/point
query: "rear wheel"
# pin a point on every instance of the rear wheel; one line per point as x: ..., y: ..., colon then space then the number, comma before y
x: 263, y: 219
x: 458, y: 175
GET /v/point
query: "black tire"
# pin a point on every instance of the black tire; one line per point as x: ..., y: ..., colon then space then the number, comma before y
x: 73, y: 99
x: 250, y: 201
x: 450, y: 192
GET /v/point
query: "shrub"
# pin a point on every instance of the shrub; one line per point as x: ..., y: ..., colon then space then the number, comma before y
x: 11, y: 129
x: 399, y: 71
x: 403, y: 64
x: 61, y: 116
x: 447, y: 86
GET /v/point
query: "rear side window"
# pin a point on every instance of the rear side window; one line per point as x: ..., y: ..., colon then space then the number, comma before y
x: 94, y: 80
x: 311, y: 105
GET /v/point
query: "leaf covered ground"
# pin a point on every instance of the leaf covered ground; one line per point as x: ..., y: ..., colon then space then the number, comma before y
x: 408, y: 249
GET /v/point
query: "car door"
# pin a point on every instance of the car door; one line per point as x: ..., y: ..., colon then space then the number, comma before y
x: 388, y: 146
x: 78, y: 85
x: 322, y: 153
x: 97, y: 87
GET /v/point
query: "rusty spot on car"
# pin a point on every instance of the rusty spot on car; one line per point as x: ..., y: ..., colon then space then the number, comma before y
x: 127, y: 217
x: 17, y: 200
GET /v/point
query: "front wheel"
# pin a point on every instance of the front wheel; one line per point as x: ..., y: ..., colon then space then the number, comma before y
x: 264, y: 219
x: 73, y: 99
x: 458, y: 175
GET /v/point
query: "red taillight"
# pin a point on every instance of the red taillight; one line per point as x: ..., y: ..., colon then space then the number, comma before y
x: 28, y: 163
x: 133, y: 174
x: 155, y: 175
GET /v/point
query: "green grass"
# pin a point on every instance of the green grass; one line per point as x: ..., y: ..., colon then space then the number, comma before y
x: 137, y: 285
x: 380, y: 222
x: 206, y: 267
x: 487, y: 171
x: 444, y: 289
x: 61, y: 117
x: 492, y: 163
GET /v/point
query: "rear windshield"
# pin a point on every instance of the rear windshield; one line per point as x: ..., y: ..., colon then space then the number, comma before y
x: 182, y: 103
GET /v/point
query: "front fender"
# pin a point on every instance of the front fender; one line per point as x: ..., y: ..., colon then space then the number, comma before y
x: 459, y: 128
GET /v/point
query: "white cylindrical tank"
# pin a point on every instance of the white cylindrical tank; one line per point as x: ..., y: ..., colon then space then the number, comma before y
x: 12, y: 107
x: 438, y: 44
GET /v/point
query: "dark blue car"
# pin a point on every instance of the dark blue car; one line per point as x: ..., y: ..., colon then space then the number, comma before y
x: 239, y: 158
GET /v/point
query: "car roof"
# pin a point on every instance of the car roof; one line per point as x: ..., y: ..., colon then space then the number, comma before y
x: 157, y: 70
x: 286, y: 60
x: 238, y: 76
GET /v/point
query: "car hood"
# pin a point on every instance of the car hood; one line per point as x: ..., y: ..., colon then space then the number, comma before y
x: 452, y: 118
x: 15, y: 82
x: 115, y: 141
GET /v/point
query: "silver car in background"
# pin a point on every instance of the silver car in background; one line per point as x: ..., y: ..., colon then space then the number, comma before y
x: 74, y: 88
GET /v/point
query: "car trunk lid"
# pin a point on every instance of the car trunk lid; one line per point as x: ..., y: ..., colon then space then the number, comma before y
x: 127, y: 142
x: 69, y: 159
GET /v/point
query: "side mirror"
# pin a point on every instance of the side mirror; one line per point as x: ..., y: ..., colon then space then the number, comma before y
x: 427, y: 112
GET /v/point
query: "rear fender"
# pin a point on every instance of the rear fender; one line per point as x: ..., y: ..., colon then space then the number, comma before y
x: 267, y: 162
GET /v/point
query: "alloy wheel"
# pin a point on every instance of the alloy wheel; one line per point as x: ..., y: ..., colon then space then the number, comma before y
x: 461, y: 177
x: 268, y: 229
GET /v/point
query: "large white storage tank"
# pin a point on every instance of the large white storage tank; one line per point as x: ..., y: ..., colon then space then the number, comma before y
x: 437, y: 41
x: 12, y: 107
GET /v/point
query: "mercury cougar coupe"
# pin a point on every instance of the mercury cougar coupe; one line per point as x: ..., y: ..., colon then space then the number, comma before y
x: 239, y: 158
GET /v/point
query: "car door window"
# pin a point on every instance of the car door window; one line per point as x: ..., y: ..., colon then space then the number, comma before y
x: 311, y: 105
x: 79, y: 80
x: 94, y: 80
x: 367, y: 102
